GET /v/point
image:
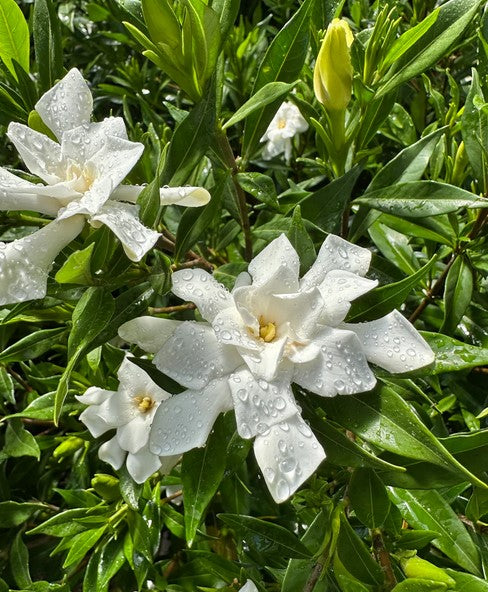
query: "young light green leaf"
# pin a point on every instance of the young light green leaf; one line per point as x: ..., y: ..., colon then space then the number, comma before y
x: 457, y: 294
x: 76, y: 268
x: 20, y: 442
x: 14, y: 36
x: 270, y: 92
x: 452, y: 355
x: 6, y: 386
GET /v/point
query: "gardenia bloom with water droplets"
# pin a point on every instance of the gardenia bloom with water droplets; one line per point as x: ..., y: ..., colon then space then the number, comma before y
x: 130, y: 411
x: 82, y: 175
x: 285, y: 125
x: 271, y: 330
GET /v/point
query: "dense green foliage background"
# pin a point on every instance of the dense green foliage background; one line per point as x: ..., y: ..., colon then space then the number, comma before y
x: 406, y: 467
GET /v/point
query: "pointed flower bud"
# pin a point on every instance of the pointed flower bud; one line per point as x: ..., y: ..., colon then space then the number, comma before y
x: 332, y: 78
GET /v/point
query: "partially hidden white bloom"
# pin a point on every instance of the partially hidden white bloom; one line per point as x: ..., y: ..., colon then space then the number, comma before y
x: 82, y: 175
x: 249, y: 586
x: 271, y: 330
x: 130, y: 411
x: 285, y: 125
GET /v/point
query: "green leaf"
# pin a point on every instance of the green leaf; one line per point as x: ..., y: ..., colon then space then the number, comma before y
x: 103, y: 565
x: 355, y: 557
x: 20, y: 442
x: 415, y: 539
x: 202, y: 470
x: 43, y: 408
x: 81, y: 543
x: 452, y: 355
x: 190, y: 141
x: 411, y: 36
x: 457, y: 294
x: 66, y: 524
x: 19, y: 561
x: 14, y: 36
x: 7, y: 391
x: 468, y: 583
x: 420, y: 199
x: 369, y: 498
x: 454, y: 17
x: 270, y: 92
x: 301, y: 241
x: 381, y: 301
x: 226, y: 274
x: 429, y: 510
x: 326, y: 206
x: 47, y: 43
x: 162, y: 24
x: 32, y: 346
x: 130, y: 490
x: 420, y: 585
x: 90, y: 316
x: 266, y: 536
x: 259, y: 186
x: 15, y: 513
x: 76, y: 268
x: 282, y: 62
x: 383, y: 418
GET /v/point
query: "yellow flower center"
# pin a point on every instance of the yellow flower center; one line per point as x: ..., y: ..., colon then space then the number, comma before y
x: 144, y: 403
x: 281, y: 123
x: 82, y: 176
x: 267, y: 330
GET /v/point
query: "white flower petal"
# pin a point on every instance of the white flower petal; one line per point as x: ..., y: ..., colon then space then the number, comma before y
x: 277, y: 267
x: 185, y: 421
x: 287, y: 456
x: 258, y: 404
x: 81, y: 143
x: 339, y: 368
x: 268, y: 361
x: 115, y: 159
x: 134, y: 435
x: 111, y: 453
x: 149, y: 333
x: 230, y: 329
x: 168, y: 462
x: 95, y: 424
x: 18, y: 194
x: 123, y: 221
x: 336, y: 253
x: 94, y: 396
x: 40, y: 154
x: 393, y: 343
x: 67, y: 104
x: 338, y: 290
x: 25, y: 262
x: 135, y: 381
x: 142, y: 464
x: 301, y: 311
x: 192, y: 356
x: 198, y: 286
x: 192, y: 197
x: 249, y: 586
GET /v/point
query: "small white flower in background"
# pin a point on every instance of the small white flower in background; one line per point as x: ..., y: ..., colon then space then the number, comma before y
x: 82, y: 177
x: 130, y: 410
x: 249, y: 586
x: 285, y: 125
x: 272, y: 330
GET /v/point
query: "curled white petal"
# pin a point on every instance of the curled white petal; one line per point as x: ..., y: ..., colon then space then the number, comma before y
x: 149, y: 333
x: 277, y: 267
x: 123, y: 221
x: 111, y: 453
x: 67, y: 104
x: 26, y: 262
x: 142, y: 464
x: 393, y: 343
x: 287, y: 456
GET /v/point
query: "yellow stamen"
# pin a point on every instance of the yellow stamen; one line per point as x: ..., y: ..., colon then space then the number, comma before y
x: 267, y: 331
x: 281, y: 124
x: 144, y: 403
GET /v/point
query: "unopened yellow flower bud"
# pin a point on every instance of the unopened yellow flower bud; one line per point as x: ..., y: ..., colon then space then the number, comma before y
x: 332, y: 77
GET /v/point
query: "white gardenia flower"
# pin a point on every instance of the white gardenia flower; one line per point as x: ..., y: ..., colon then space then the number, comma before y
x: 271, y: 330
x: 249, y: 586
x: 285, y: 125
x: 130, y: 410
x: 82, y: 175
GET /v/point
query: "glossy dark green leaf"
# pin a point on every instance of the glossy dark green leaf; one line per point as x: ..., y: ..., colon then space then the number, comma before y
x: 355, y: 556
x: 420, y: 585
x: 76, y: 269
x: 429, y: 510
x: 19, y: 560
x: 201, y: 472
x: 419, y: 199
x: 47, y: 43
x: 32, y: 346
x: 301, y: 241
x: 452, y: 355
x: 266, y: 536
x: 82, y: 543
x: 282, y: 63
x: 259, y: 186
x: 454, y: 17
x: 457, y: 294
x: 43, y: 408
x: 381, y: 301
x: 15, y: 513
x: 7, y: 391
x: 19, y: 441
x: 468, y: 583
x: 383, y: 418
x: 369, y: 497
x: 415, y: 539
